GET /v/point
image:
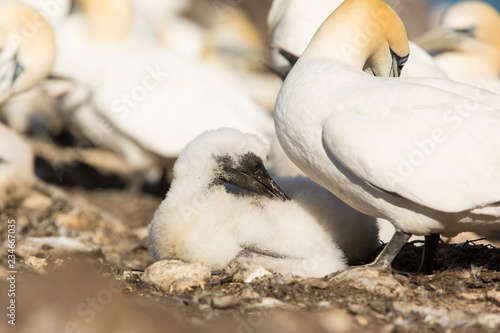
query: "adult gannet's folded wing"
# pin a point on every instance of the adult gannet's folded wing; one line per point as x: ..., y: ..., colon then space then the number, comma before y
x: 445, y: 157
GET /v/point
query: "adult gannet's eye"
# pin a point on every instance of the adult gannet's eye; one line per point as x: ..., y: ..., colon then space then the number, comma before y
x: 466, y: 31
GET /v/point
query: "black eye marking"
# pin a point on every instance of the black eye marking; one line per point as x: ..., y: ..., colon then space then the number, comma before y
x: 466, y: 31
x: 401, y: 61
x: 398, y: 61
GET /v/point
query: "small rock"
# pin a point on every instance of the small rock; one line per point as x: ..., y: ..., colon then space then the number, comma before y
x: 337, y: 321
x: 494, y: 296
x: 362, y: 321
x: 324, y: 304
x: 37, y: 201
x: 471, y: 296
x: 56, y: 244
x: 38, y: 265
x: 224, y: 302
x: 245, y: 271
x: 249, y: 294
x: 177, y: 276
x: 270, y: 302
x: 434, y: 316
x: 74, y: 220
x: 372, y: 281
x: 316, y: 283
x: 490, y: 321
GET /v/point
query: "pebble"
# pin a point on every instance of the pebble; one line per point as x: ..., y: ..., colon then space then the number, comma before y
x: 372, y: 281
x: 225, y: 302
x: 38, y: 265
x: 245, y: 271
x: 37, y: 201
x: 494, y: 296
x: 316, y: 283
x: 56, y: 244
x: 177, y: 276
x: 249, y: 294
x: 337, y: 321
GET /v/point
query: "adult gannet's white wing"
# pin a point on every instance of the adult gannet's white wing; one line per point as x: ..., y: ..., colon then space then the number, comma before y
x: 434, y: 148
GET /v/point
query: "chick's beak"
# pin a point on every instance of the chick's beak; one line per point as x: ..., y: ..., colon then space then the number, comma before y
x: 257, y: 180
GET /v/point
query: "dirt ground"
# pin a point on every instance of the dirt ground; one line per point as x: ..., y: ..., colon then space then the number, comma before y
x: 81, y: 256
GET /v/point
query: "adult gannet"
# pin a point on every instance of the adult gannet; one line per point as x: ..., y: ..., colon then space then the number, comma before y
x: 292, y: 24
x: 25, y: 58
x: 466, y: 45
x: 32, y: 112
x: 54, y: 11
x: 200, y: 220
x: 16, y: 166
x: 28, y: 41
x: 160, y: 100
x: 407, y: 152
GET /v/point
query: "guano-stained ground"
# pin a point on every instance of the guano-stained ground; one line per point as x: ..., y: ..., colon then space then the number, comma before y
x: 99, y: 286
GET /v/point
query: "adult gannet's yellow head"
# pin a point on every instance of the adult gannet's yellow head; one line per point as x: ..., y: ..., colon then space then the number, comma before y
x: 367, y: 34
x: 108, y: 20
x: 28, y: 36
x: 462, y: 26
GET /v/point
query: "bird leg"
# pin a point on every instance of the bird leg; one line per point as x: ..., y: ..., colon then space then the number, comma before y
x: 385, y: 258
x: 430, y: 247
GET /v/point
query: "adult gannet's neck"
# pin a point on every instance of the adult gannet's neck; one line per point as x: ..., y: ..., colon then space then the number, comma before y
x: 25, y: 30
x: 107, y: 20
x: 359, y: 32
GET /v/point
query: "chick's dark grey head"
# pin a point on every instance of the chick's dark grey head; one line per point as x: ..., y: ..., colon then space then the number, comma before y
x: 248, y: 172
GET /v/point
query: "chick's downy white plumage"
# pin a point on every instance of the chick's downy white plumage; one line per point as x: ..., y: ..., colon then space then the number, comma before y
x: 355, y: 233
x: 202, y: 221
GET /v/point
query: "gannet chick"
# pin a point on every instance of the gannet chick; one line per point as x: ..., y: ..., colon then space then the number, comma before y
x: 466, y: 45
x: 355, y: 233
x: 293, y: 23
x: 407, y: 152
x: 24, y: 29
x: 199, y: 220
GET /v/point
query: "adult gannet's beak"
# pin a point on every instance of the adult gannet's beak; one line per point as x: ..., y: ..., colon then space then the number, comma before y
x: 17, y: 71
x: 10, y: 69
x: 251, y: 175
x: 441, y: 39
